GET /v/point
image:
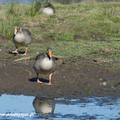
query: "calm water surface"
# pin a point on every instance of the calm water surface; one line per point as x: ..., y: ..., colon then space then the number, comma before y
x: 20, y: 107
x: 58, y: 1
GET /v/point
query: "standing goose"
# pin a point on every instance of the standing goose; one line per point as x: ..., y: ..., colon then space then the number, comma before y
x: 21, y: 37
x: 44, y: 105
x: 44, y: 64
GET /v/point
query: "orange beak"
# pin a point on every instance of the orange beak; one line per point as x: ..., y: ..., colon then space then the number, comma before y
x: 50, y: 54
x: 15, y: 31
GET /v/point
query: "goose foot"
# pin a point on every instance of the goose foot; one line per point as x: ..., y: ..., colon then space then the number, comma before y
x: 24, y: 54
x: 15, y: 51
x: 48, y: 83
x: 38, y: 81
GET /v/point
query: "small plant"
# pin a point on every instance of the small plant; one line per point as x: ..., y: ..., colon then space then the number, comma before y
x: 7, y: 28
x: 11, y: 9
x: 110, y: 10
x: 34, y: 9
x: 89, y: 91
x: 37, y: 6
x: 11, y: 16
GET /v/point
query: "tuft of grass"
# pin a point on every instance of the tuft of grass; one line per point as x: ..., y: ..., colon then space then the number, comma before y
x: 89, y: 91
x: 34, y: 9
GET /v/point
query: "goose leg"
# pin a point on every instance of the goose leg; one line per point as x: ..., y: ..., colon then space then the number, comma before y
x: 38, y: 81
x: 26, y: 51
x: 50, y: 79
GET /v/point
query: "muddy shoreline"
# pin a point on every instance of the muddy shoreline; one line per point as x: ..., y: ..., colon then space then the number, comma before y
x: 72, y: 79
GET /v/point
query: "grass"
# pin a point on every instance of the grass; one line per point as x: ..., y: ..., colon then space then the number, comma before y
x: 96, y: 24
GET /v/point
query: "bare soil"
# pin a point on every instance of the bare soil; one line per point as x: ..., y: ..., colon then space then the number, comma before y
x: 74, y: 77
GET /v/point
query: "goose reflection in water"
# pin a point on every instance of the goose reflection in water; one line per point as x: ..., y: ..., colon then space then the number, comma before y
x: 43, y: 105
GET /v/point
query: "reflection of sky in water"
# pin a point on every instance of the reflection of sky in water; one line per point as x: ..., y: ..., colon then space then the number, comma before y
x: 15, y: 1
x: 19, y: 1
x: 58, y: 1
x: 15, y: 103
x: 32, y: 108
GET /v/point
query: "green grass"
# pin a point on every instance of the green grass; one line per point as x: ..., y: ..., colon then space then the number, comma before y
x: 96, y: 24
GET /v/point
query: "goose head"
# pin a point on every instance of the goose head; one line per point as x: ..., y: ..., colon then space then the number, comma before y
x: 49, y: 53
x: 47, y: 4
x: 16, y: 29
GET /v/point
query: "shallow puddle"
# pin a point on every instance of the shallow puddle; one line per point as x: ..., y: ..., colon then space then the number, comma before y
x: 20, y: 107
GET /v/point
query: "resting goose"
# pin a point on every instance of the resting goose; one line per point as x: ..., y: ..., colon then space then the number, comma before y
x: 21, y: 37
x: 48, y: 8
x: 44, y: 64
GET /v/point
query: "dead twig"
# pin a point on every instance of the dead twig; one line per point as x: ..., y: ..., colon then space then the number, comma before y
x: 24, y: 58
x: 33, y: 57
x: 59, y: 57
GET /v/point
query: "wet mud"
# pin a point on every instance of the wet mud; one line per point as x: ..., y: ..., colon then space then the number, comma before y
x: 73, y: 78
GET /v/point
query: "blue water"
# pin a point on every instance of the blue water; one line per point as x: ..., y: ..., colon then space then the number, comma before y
x: 42, y: 1
x: 58, y: 1
x: 14, y: 1
x: 20, y: 107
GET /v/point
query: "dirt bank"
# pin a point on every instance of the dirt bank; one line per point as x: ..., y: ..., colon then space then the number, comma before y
x: 73, y: 77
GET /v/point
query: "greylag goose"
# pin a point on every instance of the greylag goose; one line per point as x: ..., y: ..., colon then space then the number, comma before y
x: 48, y: 8
x: 44, y: 105
x: 44, y: 64
x: 21, y: 37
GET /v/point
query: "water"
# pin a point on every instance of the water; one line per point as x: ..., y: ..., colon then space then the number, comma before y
x: 14, y: 1
x: 57, y: 1
x: 20, y: 107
